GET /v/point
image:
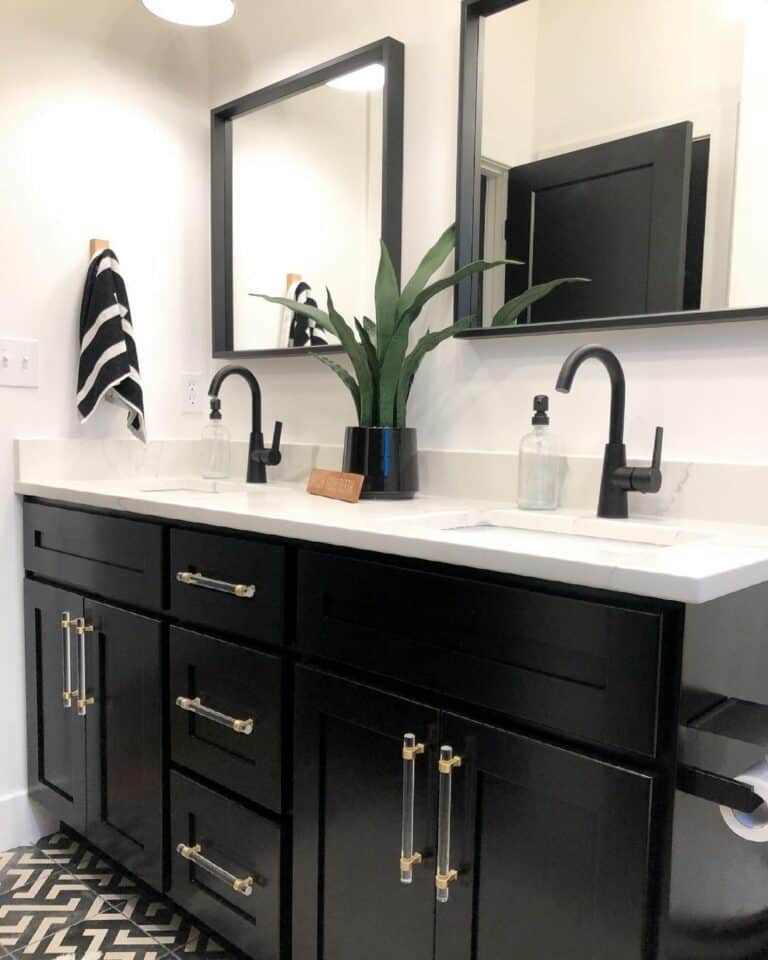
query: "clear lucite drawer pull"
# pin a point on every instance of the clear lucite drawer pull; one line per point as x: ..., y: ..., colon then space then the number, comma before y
x: 83, y: 701
x: 194, y: 854
x: 244, y: 590
x: 445, y: 875
x: 193, y: 705
x: 409, y: 856
x: 67, y: 693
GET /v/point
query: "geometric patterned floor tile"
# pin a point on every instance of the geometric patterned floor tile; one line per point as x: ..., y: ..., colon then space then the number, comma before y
x: 148, y: 927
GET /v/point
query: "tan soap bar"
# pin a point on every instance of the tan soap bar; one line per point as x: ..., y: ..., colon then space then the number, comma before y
x: 336, y: 485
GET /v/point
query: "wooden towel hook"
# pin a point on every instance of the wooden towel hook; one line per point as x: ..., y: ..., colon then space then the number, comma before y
x: 97, y: 245
x: 290, y: 279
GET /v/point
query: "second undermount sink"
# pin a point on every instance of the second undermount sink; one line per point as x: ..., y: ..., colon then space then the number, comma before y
x: 491, y: 525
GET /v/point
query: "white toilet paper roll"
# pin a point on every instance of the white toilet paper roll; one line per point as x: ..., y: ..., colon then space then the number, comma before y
x: 751, y: 826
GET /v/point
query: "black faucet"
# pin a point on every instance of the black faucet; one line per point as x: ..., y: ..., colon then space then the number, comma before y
x: 618, y: 479
x: 259, y: 456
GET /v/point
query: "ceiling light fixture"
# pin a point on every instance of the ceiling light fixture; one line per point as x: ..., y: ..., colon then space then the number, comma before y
x: 192, y: 13
x: 364, y: 80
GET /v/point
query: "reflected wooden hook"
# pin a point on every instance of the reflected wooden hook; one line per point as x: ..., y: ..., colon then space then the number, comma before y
x: 290, y: 279
x: 97, y: 245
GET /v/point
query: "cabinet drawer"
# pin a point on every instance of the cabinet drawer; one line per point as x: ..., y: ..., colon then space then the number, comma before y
x: 240, y: 844
x: 239, y: 685
x: 257, y: 612
x: 113, y: 557
x: 587, y: 669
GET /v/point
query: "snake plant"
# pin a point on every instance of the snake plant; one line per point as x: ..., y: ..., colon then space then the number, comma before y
x: 383, y: 369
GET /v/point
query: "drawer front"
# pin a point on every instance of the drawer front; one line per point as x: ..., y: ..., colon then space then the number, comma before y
x: 587, y: 669
x: 116, y: 558
x: 230, y: 562
x: 240, y: 747
x: 237, y: 844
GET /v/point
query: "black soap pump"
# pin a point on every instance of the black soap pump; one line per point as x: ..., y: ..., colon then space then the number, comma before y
x: 539, y: 463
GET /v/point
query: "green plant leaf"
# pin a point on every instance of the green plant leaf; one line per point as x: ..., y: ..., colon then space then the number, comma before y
x: 412, y: 363
x: 370, y: 329
x: 373, y: 360
x: 319, y: 316
x: 356, y: 354
x: 389, y: 376
x: 431, y: 262
x: 477, y: 266
x: 507, y: 314
x: 387, y: 295
x: 370, y: 349
x: 346, y: 378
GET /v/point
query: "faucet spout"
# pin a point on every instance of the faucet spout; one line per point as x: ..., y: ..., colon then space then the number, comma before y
x: 618, y: 384
x: 221, y: 375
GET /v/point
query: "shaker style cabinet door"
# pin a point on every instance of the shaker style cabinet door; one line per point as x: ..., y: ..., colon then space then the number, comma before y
x: 122, y: 667
x: 550, y: 848
x: 55, y: 731
x: 352, y: 799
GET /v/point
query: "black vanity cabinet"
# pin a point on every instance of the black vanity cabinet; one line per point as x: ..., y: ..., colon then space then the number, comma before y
x: 95, y: 755
x: 268, y: 730
x: 551, y: 847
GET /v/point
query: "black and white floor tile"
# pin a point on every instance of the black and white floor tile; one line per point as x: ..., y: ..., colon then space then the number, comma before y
x: 61, y: 899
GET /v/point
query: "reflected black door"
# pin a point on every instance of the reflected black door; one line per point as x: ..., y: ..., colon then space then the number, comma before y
x: 55, y: 732
x: 125, y: 778
x: 348, y: 901
x: 551, y: 849
x: 615, y: 213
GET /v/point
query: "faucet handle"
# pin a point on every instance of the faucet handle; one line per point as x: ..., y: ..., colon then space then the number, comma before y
x: 274, y: 456
x: 648, y: 479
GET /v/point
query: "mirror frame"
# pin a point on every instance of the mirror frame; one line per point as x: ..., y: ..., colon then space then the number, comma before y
x: 388, y: 52
x: 466, y: 301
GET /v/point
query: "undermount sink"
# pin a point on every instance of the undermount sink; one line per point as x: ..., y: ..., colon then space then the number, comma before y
x: 192, y: 485
x: 493, y: 524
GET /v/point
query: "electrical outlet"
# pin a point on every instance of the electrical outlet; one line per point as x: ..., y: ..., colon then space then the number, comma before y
x: 193, y: 395
x: 18, y: 362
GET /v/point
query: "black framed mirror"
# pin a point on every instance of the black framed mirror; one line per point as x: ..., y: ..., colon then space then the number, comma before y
x: 306, y: 176
x: 614, y: 152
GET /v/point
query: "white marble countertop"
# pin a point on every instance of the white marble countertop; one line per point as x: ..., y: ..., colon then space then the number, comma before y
x: 687, y: 561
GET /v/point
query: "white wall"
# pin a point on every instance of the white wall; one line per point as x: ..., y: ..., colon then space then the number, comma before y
x: 303, y: 202
x: 706, y: 384
x: 103, y: 113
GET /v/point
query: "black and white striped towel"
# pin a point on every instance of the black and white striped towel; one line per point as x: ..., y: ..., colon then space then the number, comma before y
x: 109, y: 365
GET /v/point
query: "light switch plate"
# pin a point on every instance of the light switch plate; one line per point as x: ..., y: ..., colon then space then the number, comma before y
x: 18, y: 362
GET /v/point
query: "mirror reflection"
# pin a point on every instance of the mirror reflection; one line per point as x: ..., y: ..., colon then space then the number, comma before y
x: 306, y: 207
x: 622, y: 157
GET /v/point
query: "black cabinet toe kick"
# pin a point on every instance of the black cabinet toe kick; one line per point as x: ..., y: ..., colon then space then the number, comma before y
x: 305, y: 746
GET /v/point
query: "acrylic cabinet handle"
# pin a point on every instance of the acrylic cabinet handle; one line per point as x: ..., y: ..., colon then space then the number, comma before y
x: 67, y: 693
x: 244, y: 590
x: 193, y: 705
x: 409, y: 856
x: 445, y: 876
x: 195, y: 855
x: 83, y: 701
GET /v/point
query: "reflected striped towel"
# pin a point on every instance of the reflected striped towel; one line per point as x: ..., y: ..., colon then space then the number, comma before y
x: 109, y: 365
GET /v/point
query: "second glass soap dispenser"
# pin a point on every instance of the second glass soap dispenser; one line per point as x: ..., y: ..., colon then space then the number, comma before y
x: 539, y: 463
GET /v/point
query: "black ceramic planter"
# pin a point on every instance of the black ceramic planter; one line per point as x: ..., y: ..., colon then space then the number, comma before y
x: 387, y: 457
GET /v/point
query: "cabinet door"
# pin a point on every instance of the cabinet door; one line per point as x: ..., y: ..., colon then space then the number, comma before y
x: 551, y: 849
x: 125, y: 779
x: 348, y: 899
x: 55, y: 732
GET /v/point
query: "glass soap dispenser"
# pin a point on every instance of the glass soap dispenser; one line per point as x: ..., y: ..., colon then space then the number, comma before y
x: 538, y: 465
x: 216, y: 445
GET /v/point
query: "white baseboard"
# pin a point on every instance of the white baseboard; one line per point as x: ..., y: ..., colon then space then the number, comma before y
x: 22, y: 820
